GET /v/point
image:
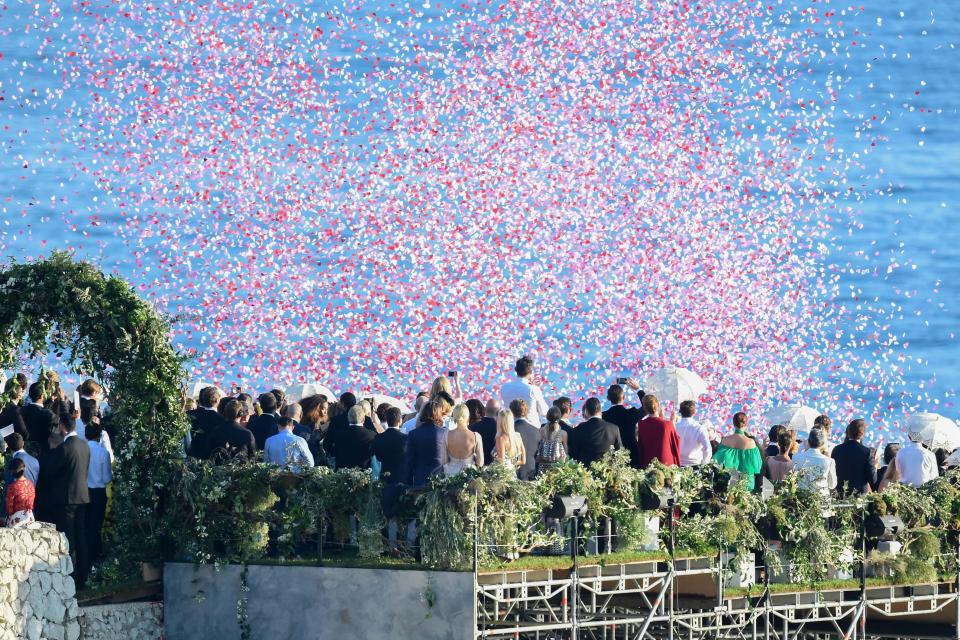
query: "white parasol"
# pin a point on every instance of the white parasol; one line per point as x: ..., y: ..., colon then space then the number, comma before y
x: 297, y: 392
x: 798, y: 417
x: 393, y: 402
x: 197, y: 385
x: 675, y: 384
x: 933, y: 430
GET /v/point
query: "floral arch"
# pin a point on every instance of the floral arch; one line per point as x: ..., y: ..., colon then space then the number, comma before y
x: 100, y: 326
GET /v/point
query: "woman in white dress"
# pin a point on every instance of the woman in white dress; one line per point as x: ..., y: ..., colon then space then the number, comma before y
x: 509, y: 449
x: 464, y: 448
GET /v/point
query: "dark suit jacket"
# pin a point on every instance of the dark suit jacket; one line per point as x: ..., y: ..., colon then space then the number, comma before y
x: 425, y: 453
x: 592, y: 439
x: 338, y: 425
x: 230, y: 440
x: 566, y: 428
x: 855, y: 470
x: 67, y: 467
x: 40, y: 424
x: 11, y: 416
x: 626, y: 419
x: 203, y: 424
x: 355, y: 447
x: 486, y: 428
x: 390, y: 447
x: 262, y: 427
x: 530, y: 435
x: 204, y: 420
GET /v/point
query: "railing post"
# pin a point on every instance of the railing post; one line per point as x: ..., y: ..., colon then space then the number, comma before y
x: 673, y: 563
x: 956, y: 622
x: 574, y: 596
x: 863, y: 572
x: 476, y: 564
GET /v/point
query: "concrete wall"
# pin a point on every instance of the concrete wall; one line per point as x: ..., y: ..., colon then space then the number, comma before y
x: 37, y: 594
x: 316, y: 603
x: 131, y: 621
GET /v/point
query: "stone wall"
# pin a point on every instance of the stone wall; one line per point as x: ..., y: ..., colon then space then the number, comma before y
x: 37, y: 594
x: 315, y: 603
x: 132, y: 621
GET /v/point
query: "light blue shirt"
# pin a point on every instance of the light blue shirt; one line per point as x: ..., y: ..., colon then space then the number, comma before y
x: 99, y: 473
x: 31, y: 466
x: 288, y: 450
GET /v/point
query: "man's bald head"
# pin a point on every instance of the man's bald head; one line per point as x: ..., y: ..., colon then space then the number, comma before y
x: 493, y: 408
x: 294, y: 412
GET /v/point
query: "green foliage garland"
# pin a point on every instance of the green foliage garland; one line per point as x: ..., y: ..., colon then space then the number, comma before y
x: 102, y: 328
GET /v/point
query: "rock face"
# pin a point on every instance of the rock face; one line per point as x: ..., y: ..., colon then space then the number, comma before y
x: 38, y: 597
x: 36, y: 590
x: 134, y: 621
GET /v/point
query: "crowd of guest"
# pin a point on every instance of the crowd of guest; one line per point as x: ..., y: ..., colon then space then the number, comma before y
x: 446, y: 433
x: 59, y: 452
x: 59, y: 463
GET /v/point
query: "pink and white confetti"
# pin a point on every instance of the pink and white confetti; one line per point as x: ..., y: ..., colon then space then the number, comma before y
x: 369, y: 194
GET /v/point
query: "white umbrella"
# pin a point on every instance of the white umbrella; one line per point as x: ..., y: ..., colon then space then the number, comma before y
x: 675, y: 384
x: 297, y: 392
x: 796, y: 416
x: 393, y: 402
x: 933, y: 430
x: 196, y: 386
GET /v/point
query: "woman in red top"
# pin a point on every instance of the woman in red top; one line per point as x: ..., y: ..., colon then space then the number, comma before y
x: 657, y: 438
x: 20, y: 496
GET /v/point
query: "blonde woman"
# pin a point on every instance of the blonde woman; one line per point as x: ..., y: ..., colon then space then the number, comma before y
x: 509, y: 449
x: 442, y: 385
x: 464, y: 448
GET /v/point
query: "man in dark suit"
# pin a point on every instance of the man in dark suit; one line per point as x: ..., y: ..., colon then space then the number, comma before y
x: 265, y: 425
x: 204, y: 421
x: 40, y: 422
x: 425, y: 445
x: 486, y: 428
x: 232, y: 438
x: 529, y: 434
x: 67, y: 466
x: 390, y: 447
x: 565, y: 405
x: 855, y: 471
x: 339, y: 423
x: 626, y: 418
x: 10, y: 416
x: 355, y: 442
x: 592, y: 439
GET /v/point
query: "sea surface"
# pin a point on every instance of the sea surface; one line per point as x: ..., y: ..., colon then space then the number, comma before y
x: 900, y: 260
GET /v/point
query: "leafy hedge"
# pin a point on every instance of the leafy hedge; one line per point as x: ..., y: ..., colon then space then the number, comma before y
x: 711, y: 514
x: 101, y: 327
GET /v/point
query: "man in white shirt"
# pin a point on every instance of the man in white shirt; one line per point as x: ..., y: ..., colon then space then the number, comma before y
x: 521, y: 389
x: 411, y: 423
x: 695, y: 446
x: 286, y: 449
x: 818, y: 472
x: 915, y: 464
x: 99, y: 475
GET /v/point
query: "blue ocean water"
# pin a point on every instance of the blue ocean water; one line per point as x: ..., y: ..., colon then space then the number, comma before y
x: 897, y: 265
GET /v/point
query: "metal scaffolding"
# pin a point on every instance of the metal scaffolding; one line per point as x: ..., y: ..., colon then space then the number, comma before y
x: 666, y: 600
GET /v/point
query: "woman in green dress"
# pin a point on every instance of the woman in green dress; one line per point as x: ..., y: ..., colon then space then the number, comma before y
x: 739, y: 451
